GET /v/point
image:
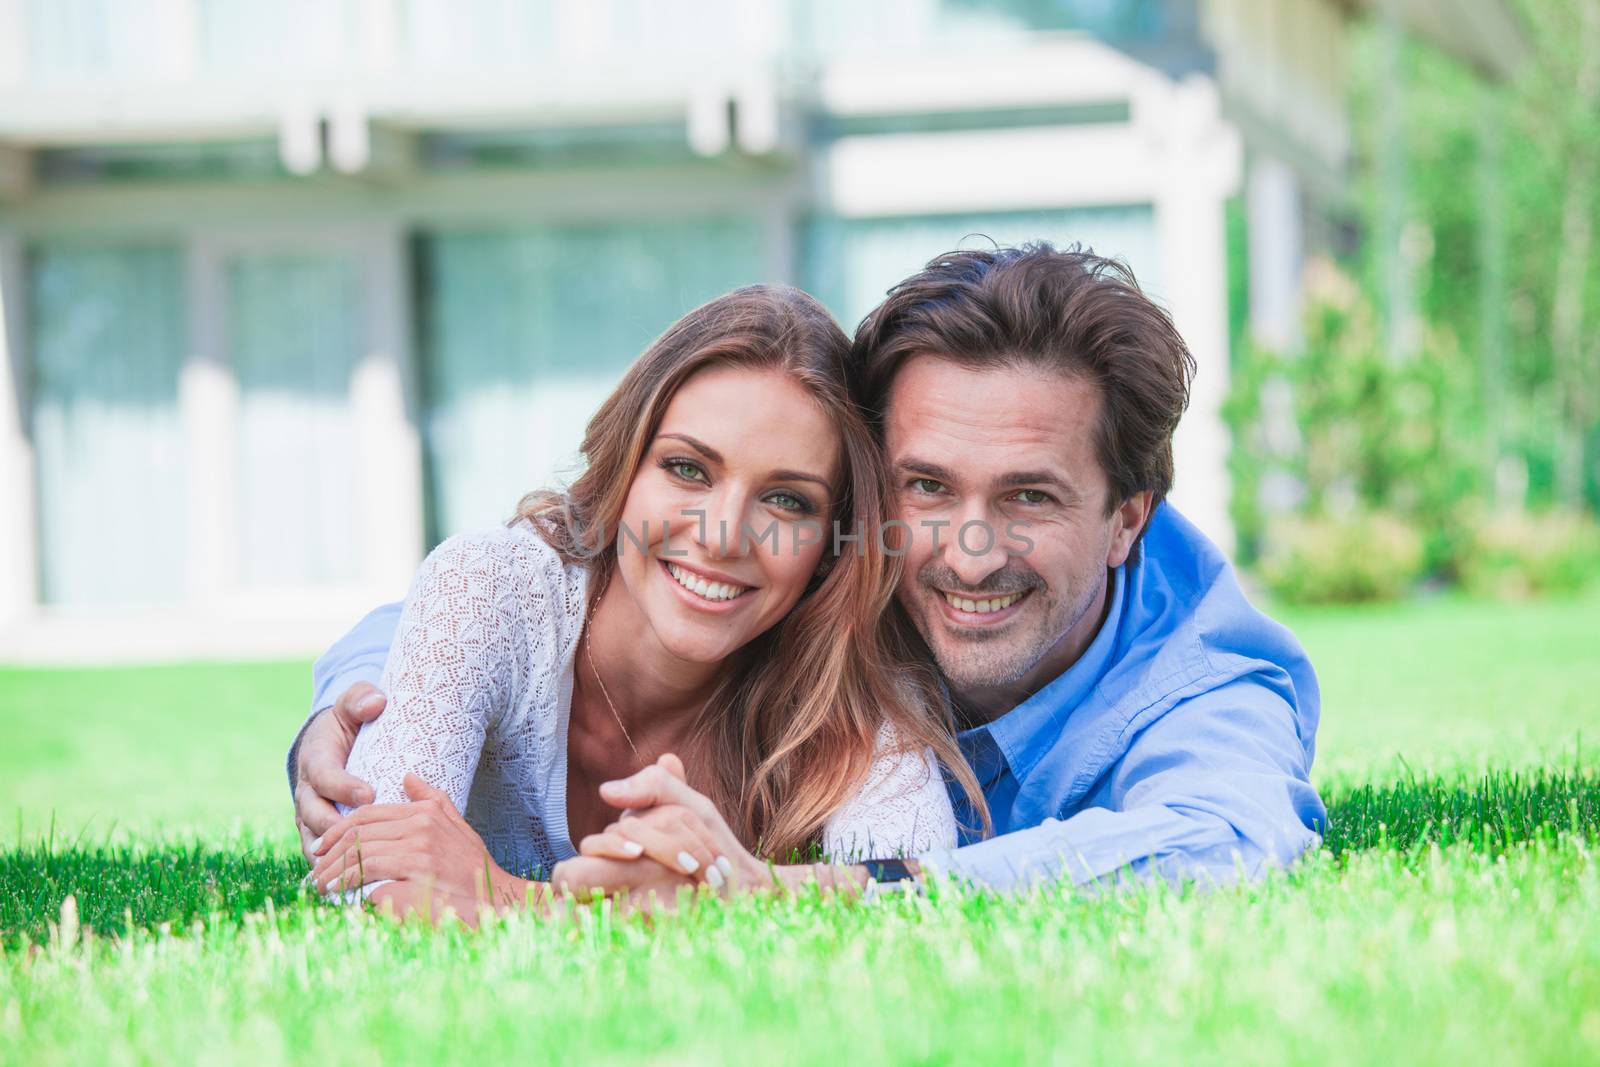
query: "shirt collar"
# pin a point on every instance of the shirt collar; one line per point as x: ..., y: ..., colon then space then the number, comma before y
x: 1021, y: 735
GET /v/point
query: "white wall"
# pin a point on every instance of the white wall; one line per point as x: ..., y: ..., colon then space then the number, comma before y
x: 1178, y: 156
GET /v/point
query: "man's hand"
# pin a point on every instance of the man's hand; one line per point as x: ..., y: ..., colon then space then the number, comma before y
x: 320, y: 777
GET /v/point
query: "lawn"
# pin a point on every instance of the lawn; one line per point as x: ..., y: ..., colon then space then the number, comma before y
x: 1453, y: 915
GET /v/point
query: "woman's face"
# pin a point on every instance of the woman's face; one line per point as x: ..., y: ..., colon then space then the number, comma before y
x: 729, y: 512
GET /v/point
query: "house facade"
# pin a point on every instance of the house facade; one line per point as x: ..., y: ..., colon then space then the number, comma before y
x: 293, y: 290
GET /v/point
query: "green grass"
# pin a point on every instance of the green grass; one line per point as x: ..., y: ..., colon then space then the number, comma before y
x: 131, y: 752
x: 1453, y: 914
x: 1454, y: 686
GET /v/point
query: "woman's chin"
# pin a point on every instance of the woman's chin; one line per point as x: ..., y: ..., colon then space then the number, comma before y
x: 682, y: 643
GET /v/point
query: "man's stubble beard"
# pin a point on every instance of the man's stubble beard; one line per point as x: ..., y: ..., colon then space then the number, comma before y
x: 987, y: 661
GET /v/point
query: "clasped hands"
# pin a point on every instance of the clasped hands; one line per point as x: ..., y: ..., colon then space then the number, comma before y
x: 667, y: 837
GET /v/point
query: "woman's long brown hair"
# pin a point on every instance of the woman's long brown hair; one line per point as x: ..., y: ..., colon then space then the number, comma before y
x: 792, y: 725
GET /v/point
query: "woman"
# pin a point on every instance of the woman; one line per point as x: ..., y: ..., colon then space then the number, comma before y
x: 685, y: 596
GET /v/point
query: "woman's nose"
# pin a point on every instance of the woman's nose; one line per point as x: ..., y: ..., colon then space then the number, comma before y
x: 719, y: 528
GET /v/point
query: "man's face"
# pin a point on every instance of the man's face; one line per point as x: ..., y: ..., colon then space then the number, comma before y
x: 984, y: 462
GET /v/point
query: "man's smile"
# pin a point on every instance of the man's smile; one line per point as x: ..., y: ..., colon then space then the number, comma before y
x: 969, y: 609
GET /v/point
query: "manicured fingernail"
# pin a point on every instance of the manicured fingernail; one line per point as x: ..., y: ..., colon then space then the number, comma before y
x: 633, y: 848
x: 316, y: 846
x: 714, y: 877
x: 688, y: 863
x: 725, y: 865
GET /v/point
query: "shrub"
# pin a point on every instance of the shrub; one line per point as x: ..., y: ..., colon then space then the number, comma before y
x: 1521, y: 554
x: 1342, y: 427
x: 1326, y: 559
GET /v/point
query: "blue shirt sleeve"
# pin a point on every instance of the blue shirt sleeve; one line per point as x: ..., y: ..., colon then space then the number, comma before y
x: 1215, y: 789
x: 358, y: 656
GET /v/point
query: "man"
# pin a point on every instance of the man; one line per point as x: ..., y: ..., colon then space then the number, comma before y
x: 1123, y: 705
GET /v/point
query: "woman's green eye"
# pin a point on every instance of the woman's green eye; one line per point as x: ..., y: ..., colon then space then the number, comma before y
x: 788, y: 501
x: 1033, y: 496
x: 926, y: 485
x: 687, y: 470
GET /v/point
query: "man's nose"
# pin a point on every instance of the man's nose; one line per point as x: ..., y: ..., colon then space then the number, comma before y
x: 975, y: 549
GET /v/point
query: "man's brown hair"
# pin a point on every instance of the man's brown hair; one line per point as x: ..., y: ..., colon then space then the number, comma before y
x: 1068, y: 311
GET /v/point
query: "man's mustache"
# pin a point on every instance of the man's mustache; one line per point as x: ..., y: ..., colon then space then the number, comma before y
x: 1003, y: 582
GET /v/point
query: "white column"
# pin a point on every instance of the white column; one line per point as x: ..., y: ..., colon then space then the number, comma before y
x: 1277, y: 252
x: 208, y: 397
x: 18, y: 544
x: 177, y: 43
x: 13, y: 43
x: 1200, y: 172
x: 383, y: 401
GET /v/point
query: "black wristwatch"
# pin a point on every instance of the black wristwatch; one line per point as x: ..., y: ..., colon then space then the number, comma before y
x: 888, y: 870
x: 883, y: 873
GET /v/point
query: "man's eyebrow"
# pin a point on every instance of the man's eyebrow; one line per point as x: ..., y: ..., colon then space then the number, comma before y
x: 925, y: 468
x: 1021, y: 478
x: 695, y: 443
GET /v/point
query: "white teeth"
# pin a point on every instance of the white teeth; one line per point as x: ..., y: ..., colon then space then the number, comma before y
x: 982, y: 607
x: 700, y: 587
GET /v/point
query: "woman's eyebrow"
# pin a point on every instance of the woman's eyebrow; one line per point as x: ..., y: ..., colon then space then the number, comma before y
x: 801, y: 476
x: 695, y: 443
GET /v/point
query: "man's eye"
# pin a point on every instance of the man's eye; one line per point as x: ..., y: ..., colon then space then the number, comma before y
x: 1033, y: 496
x: 926, y: 485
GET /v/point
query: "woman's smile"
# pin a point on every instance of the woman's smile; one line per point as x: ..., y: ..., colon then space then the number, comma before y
x: 703, y: 591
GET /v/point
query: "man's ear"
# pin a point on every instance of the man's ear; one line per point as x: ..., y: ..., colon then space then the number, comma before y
x: 1127, y: 522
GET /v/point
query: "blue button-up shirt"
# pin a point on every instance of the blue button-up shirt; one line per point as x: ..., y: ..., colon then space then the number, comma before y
x: 1180, y: 743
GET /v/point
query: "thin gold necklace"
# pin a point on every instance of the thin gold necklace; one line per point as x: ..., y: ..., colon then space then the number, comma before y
x: 588, y: 654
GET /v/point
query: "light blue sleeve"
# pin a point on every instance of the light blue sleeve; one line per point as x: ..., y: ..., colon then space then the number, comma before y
x: 1215, y: 789
x: 358, y: 656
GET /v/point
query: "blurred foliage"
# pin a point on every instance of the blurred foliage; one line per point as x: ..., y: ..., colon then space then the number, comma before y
x: 1519, y: 554
x: 1345, y: 559
x: 1343, y: 443
x: 1517, y: 158
x: 1460, y: 400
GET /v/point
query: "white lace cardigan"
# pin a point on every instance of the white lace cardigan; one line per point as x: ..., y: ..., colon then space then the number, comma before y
x: 479, y: 681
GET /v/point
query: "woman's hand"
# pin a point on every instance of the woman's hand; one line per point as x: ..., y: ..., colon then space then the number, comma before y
x: 667, y: 821
x: 426, y: 842
x: 640, y: 883
x: 413, y: 898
